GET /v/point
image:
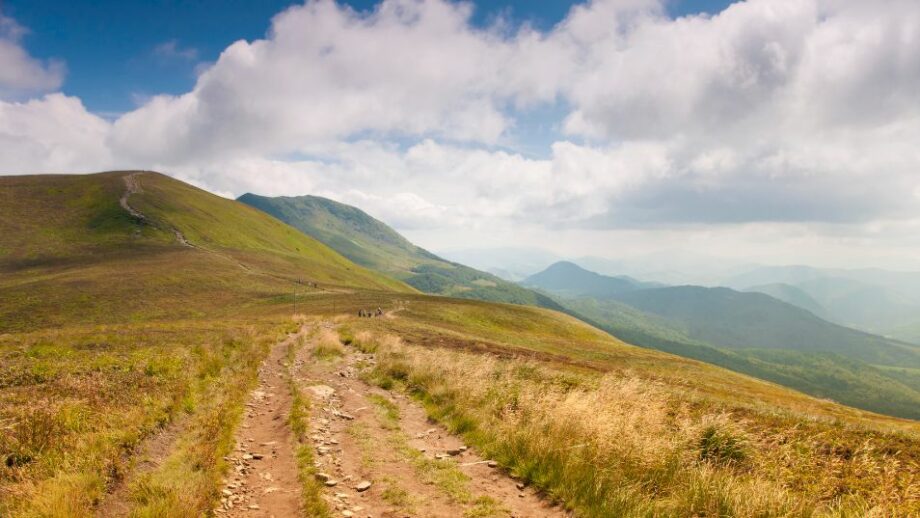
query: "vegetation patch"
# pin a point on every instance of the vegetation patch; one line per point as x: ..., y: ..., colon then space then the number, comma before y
x: 314, y: 505
x: 77, y: 404
x: 621, y: 445
x: 327, y: 345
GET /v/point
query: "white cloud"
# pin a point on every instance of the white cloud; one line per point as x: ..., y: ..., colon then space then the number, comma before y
x: 54, y: 134
x: 772, y: 112
x: 171, y: 49
x: 20, y: 73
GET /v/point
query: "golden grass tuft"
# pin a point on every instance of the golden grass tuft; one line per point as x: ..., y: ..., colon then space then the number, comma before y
x: 327, y: 345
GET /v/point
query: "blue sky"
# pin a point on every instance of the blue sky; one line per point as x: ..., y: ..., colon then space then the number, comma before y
x: 117, y: 52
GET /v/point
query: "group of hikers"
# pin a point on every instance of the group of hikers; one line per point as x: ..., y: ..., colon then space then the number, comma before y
x: 370, y: 313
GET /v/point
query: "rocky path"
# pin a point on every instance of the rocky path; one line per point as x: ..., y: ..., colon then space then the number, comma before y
x: 379, y: 455
x: 133, y: 186
x: 263, y: 478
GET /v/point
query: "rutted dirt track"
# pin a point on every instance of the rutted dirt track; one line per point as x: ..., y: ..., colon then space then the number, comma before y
x: 376, y: 451
x: 263, y: 473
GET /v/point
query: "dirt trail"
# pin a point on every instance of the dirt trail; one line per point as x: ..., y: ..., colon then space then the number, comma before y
x: 415, y: 468
x: 262, y: 481
x: 133, y: 186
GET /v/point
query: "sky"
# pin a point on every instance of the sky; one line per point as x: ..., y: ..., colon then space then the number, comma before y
x: 773, y: 131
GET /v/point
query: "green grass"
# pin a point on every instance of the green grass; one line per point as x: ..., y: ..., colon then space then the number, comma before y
x: 72, y: 255
x: 372, y: 244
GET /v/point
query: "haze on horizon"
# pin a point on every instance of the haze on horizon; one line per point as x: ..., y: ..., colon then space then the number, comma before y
x: 769, y: 131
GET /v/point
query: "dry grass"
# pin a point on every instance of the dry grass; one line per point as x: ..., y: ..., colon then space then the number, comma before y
x: 76, y: 404
x: 327, y: 345
x: 621, y: 445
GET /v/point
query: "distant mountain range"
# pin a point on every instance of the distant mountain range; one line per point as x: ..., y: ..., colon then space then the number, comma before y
x: 748, y: 332
x: 879, y: 301
x: 373, y: 244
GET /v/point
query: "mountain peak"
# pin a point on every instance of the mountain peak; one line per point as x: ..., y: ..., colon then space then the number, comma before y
x: 569, y: 279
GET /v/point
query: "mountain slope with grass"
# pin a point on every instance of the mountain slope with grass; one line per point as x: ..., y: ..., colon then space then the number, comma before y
x: 371, y: 243
x: 149, y: 348
x: 737, y: 320
x: 63, y: 238
x: 791, y: 295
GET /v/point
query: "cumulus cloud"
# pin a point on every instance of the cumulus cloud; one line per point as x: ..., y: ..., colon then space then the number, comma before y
x: 790, y: 111
x: 54, y: 134
x: 20, y: 73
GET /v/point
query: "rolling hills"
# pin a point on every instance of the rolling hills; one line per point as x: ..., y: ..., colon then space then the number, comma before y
x: 136, y: 339
x: 875, y: 300
x: 372, y: 244
x: 757, y: 335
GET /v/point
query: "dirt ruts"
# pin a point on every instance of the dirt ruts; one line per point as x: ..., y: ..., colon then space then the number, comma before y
x: 262, y: 481
x: 380, y: 456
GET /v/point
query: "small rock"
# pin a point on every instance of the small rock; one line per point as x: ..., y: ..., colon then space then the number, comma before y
x: 322, y: 477
x: 492, y: 464
x: 331, y: 483
x: 362, y: 486
x: 520, y: 486
x: 347, y: 514
x: 253, y: 506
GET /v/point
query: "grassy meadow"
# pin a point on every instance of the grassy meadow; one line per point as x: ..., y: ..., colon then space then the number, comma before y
x: 75, y: 404
x: 626, y: 441
x: 128, y: 358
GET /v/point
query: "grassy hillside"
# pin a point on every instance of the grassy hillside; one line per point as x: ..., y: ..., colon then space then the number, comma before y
x: 114, y: 331
x: 616, y: 430
x: 116, y: 335
x: 69, y: 251
x: 371, y: 243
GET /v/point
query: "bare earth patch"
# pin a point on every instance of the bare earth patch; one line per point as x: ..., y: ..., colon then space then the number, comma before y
x: 262, y: 479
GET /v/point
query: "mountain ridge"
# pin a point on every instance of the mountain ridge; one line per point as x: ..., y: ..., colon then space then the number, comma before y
x: 373, y: 244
